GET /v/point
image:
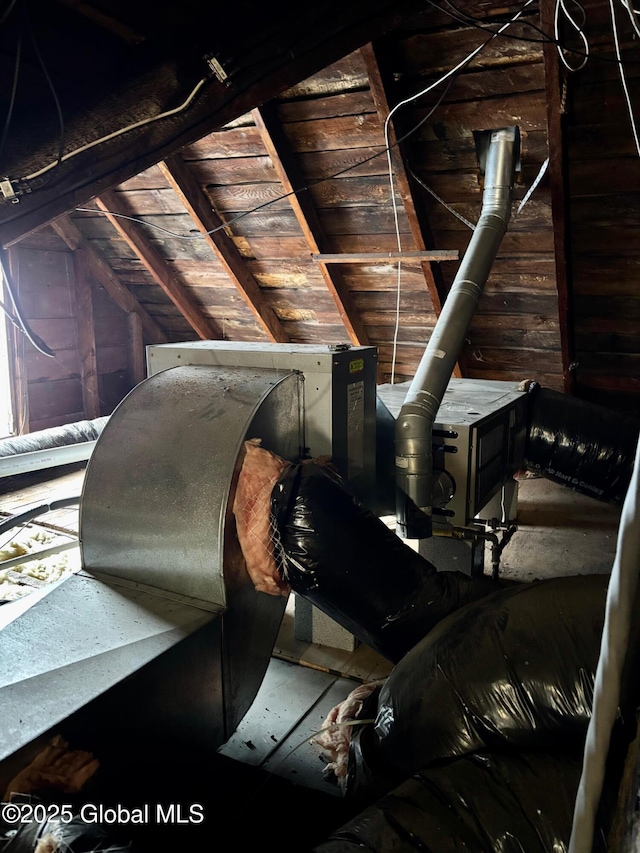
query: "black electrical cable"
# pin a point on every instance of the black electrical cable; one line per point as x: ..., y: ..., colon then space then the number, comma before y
x: 80, y: 186
x: 10, y: 316
x: 463, y: 18
x: 162, y: 146
x: 299, y: 190
x: 54, y: 95
x: 284, y: 196
x: 29, y: 514
x: 469, y: 20
x: 176, y: 136
x: 36, y: 340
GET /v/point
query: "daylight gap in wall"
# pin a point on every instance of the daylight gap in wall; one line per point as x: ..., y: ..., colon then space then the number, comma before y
x: 6, y: 414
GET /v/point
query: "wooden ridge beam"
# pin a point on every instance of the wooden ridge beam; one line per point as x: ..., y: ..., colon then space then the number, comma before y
x: 290, y: 176
x: 157, y: 266
x: 19, y: 380
x: 102, y: 272
x: 195, y: 201
x: 322, y: 34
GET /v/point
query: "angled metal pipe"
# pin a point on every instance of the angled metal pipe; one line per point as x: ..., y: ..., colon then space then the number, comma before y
x: 414, y: 425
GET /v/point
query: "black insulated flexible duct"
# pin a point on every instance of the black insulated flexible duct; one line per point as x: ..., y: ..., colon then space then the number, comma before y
x: 581, y: 445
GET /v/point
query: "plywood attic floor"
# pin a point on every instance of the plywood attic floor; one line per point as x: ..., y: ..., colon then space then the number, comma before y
x: 559, y: 533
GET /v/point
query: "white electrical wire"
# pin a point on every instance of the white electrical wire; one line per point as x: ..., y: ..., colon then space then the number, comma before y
x: 632, y: 15
x: 560, y: 4
x: 455, y: 69
x: 399, y: 243
x: 141, y: 123
x: 533, y: 186
x: 623, y: 77
x: 446, y: 206
x: 619, y: 609
x: 404, y: 103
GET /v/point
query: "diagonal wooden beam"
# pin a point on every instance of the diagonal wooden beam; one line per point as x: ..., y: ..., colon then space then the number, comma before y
x: 102, y: 272
x: 18, y: 378
x: 290, y: 176
x: 418, y: 223
x: 157, y: 266
x: 108, y: 22
x: 86, y: 336
x: 195, y: 200
x: 558, y: 185
x: 380, y: 93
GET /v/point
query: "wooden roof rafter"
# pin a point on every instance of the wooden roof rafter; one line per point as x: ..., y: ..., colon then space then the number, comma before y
x: 291, y: 178
x: 379, y: 83
x: 417, y: 222
x: 195, y: 201
x: 158, y: 267
x: 87, y: 350
x: 102, y: 272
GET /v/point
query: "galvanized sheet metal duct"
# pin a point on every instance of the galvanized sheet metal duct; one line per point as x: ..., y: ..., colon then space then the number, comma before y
x: 413, y: 435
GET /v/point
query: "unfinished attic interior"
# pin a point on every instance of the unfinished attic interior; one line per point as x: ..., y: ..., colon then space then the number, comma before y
x: 319, y: 383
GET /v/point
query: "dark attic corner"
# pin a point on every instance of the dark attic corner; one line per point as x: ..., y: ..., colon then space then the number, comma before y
x: 318, y: 428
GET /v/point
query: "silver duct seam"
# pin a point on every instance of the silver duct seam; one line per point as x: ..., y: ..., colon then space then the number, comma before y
x: 414, y: 426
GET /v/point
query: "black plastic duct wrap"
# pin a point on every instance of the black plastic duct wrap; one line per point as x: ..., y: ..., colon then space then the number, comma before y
x: 513, y: 672
x: 346, y: 561
x: 61, y: 436
x: 479, y: 804
x: 579, y: 444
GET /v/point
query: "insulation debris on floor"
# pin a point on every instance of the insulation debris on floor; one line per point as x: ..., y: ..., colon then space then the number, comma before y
x: 20, y: 578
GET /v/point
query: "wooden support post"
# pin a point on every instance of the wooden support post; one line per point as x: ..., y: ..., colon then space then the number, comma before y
x: 102, y: 273
x: 86, y: 337
x: 136, y: 349
x: 17, y: 367
x: 556, y: 95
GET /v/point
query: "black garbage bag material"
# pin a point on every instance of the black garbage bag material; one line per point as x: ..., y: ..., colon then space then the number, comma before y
x: 581, y: 445
x: 514, y: 671
x: 479, y: 804
x: 346, y: 561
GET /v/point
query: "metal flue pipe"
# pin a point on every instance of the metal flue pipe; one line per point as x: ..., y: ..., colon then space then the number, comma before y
x: 414, y: 425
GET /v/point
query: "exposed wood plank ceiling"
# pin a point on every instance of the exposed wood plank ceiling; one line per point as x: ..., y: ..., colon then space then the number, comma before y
x: 562, y: 304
